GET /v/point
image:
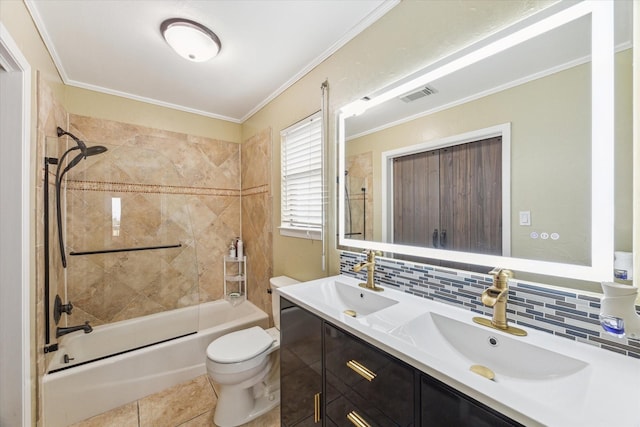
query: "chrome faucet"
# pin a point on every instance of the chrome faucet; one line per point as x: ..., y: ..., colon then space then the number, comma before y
x: 64, y: 331
x: 496, y: 296
x: 370, y: 265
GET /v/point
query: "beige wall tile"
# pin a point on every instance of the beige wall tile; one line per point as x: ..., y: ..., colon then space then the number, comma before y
x: 256, y: 217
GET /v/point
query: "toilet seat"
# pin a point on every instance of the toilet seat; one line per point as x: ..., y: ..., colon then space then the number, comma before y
x: 239, y: 346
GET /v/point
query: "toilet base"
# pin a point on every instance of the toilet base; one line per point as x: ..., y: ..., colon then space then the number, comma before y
x: 241, y: 403
x: 239, y: 406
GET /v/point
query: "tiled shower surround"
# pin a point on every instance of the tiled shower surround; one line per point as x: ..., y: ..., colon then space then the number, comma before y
x: 151, y: 188
x: 171, y: 189
x: 560, y: 312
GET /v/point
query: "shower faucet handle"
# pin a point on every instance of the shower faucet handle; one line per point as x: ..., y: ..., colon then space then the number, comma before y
x: 66, y: 308
x: 59, y: 308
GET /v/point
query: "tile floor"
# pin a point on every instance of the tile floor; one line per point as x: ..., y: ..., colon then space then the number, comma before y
x: 189, y: 404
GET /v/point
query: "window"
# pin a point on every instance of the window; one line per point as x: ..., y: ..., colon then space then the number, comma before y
x: 302, y: 189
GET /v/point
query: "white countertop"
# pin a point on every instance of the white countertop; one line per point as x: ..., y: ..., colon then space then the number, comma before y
x: 606, y: 392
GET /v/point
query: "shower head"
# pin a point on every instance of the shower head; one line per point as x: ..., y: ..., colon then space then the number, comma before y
x: 96, y: 149
x: 88, y: 151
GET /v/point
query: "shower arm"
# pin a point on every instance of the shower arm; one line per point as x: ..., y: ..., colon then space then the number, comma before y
x: 81, y: 145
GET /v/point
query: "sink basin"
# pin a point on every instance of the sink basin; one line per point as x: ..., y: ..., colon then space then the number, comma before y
x: 471, y: 344
x: 335, y: 295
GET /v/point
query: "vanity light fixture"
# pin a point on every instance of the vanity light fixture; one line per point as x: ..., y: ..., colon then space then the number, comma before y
x: 191, y: 40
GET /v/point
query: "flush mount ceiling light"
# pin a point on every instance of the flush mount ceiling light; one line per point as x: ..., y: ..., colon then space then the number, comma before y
x: 191, y: 40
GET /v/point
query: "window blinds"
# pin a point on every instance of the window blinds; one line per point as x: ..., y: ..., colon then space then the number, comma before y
x: 302, y: 190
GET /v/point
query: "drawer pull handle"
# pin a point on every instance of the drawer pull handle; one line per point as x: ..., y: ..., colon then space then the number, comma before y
x: 316, y: 408
x: 357, y: 420
x: 361, y: 370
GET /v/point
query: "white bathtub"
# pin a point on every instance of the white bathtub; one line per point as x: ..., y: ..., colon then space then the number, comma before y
x: 74, y: 394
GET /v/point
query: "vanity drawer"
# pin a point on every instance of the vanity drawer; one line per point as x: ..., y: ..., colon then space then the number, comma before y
x: 364, y: 383
x: 443, y: 406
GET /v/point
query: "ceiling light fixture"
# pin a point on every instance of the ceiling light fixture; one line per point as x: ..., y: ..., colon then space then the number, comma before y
x: 191, y: 40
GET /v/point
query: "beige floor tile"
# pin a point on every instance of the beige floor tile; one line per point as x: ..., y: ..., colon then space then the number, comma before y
x: 177, y: 405
x: 123, y: 416
x: 204, y: 420
x: 270, y: 419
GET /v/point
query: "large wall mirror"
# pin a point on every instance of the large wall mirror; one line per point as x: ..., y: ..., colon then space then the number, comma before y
x: 513, y: 152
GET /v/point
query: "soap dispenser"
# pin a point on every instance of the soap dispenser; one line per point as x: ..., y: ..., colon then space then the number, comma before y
x: 618, y: 314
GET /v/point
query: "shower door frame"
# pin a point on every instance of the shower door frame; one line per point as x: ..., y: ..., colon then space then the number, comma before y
x: 15, y: 226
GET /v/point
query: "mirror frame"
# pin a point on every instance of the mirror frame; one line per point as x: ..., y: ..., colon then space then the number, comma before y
x: 602, y: 146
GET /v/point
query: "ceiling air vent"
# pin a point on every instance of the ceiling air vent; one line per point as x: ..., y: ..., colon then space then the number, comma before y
x: 420, y: 93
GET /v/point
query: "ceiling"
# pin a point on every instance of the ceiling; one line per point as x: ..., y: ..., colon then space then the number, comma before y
x: 115, y: 47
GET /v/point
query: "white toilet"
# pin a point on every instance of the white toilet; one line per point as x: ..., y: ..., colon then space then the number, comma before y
x: 245, y: 365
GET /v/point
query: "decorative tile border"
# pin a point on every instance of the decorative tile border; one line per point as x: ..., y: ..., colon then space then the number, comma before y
x: 116, y: 187
x: 260, y: 189
x: 559, y: 312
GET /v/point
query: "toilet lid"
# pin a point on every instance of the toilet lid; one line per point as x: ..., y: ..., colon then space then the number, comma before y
x: 239, y: 346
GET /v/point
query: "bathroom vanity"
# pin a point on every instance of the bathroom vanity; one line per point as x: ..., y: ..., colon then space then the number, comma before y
x: 361, y: 382
x: 351, y: 356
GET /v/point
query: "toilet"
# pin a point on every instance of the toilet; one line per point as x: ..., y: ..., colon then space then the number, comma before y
x: 245, y: 366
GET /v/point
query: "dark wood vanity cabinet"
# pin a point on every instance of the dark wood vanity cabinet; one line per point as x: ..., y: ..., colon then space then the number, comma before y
x: 332, y: 378
x: 300, y: 366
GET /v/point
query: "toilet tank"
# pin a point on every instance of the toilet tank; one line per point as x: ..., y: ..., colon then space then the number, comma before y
x: 277, y: 282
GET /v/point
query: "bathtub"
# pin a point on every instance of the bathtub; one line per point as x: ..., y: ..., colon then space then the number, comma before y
x: 92, y: 387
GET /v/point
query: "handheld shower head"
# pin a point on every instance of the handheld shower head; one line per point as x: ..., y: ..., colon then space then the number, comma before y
x: 89, y: 151
x: 84, y: 152
x: 96, y: 149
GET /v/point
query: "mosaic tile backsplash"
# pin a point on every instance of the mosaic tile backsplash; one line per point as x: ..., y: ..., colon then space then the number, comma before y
x: 559, y: 312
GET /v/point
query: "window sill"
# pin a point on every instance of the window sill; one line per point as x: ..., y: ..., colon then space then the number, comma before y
x: 301, y: 233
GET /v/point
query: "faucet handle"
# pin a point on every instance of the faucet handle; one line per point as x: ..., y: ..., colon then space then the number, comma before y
x: 501, y: 277
x: 371, y: 254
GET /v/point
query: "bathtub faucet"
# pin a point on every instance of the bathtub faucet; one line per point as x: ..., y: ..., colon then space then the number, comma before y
x: 64, y: 331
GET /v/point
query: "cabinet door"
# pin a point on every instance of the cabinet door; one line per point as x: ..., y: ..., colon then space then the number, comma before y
x: 443, y: 406
x: 387, y: 399
x: 300, y: 366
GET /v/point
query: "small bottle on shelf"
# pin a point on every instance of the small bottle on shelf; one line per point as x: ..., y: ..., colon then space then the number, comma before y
x: 239, y: 249
x: 232, y: 249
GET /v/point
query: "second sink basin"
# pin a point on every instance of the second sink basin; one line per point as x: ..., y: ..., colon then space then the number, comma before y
x: 471, y: 344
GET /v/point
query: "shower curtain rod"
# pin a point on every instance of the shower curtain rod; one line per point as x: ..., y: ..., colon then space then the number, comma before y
x: 109, y: 251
